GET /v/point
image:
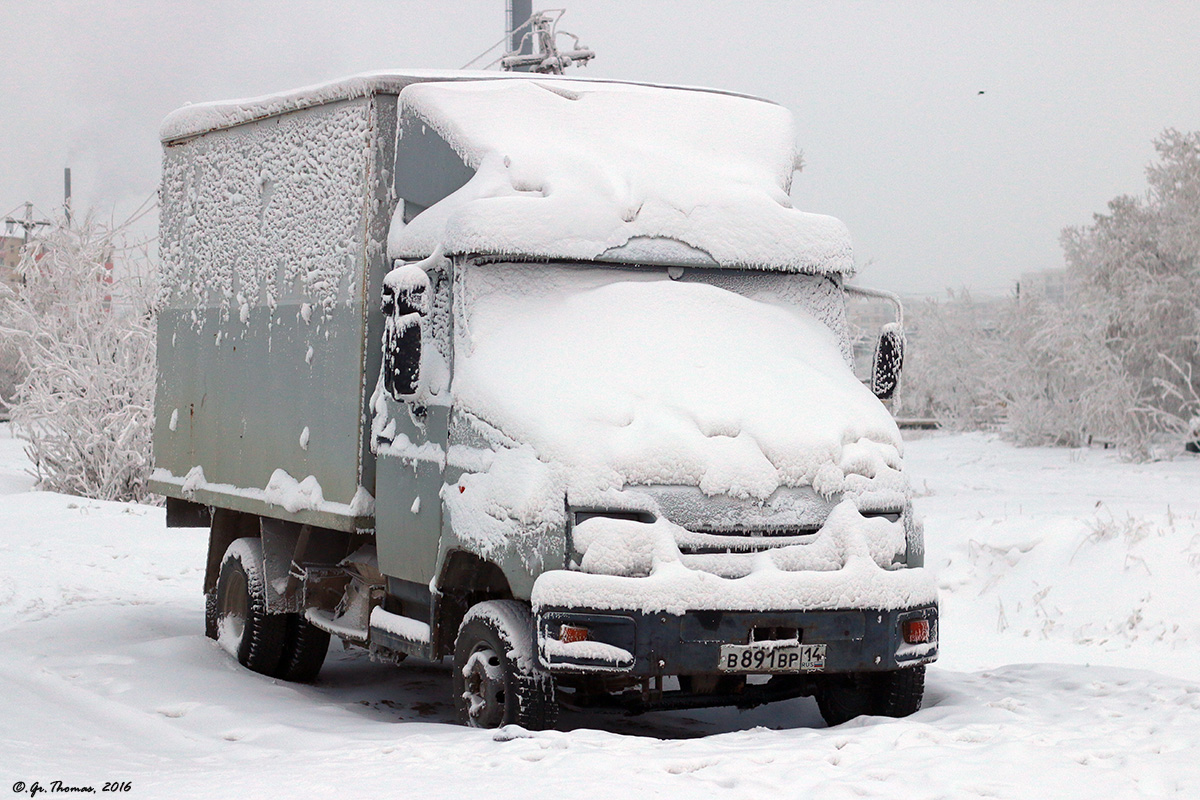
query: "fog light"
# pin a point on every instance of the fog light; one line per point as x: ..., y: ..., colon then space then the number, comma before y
x: 916, y: 631
x: 572, y: 633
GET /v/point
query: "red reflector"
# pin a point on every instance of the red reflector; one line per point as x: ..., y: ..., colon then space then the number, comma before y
x: 916, y: 631
x: 461, y: 489
x: 572, y: 633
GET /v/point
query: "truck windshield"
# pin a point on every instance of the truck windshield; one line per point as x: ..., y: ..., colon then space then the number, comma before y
x: 815, y: 296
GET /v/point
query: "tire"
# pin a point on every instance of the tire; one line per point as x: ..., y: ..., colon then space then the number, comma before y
x: 304, y: 649
x: 210, y: 614
x: 900, y: 693
x: 497, y: 680
x: 895, y: 693
x: 244, y: 628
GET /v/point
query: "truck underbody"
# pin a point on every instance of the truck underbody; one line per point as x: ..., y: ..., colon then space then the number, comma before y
x: 321, y: 583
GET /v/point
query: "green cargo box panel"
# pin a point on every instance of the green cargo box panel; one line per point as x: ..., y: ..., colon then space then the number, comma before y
x: 273, y: 240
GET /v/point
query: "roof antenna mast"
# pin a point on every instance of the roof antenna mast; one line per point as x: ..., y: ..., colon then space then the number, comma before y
x: 533, y: 41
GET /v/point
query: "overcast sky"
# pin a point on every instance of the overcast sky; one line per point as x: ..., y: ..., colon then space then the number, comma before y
x: 955, y: 139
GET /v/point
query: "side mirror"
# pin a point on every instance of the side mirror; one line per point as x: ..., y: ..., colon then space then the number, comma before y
x: 405, y: 305
x: 889, y: 360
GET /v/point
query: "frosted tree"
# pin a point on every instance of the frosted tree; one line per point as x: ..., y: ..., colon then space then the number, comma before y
x: 86, y: 344
x: 1062, y: 384
x: 1137, y: 272
x: 1119, y: 361
x: 953, y: 367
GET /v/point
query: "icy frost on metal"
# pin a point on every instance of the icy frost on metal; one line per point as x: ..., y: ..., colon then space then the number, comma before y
x: 276, y: 241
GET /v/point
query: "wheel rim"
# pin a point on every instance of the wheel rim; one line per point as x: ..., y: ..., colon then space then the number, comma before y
x: 483, y: 688
x: 233, y: 608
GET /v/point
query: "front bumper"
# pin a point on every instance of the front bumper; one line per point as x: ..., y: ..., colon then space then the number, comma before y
x: 643, y: 645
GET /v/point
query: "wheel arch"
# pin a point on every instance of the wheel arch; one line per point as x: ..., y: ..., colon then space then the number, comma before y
x: 464, y: 580
x: 227, y: 527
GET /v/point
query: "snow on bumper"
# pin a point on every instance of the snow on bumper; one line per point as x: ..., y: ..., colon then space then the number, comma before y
x: 851, y: 562
x: 675, y: 620
x: 841, y: 588
x: 674, y: 589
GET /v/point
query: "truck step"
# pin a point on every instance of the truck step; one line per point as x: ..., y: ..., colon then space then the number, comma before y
x: 326, y: 621
x: 405, y: 628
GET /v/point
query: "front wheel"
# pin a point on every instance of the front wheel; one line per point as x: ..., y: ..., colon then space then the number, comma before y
x: 497, y: 680
x: 895, y: 693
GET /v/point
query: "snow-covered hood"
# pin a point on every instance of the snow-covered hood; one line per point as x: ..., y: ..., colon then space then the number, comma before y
x: 583, y: 170
x: 658, y: 382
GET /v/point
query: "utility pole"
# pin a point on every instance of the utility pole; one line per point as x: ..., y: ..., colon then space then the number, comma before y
x: 28, y: 223
x: 534, y: 42
x: 519, y: 41
x: 67, y: 194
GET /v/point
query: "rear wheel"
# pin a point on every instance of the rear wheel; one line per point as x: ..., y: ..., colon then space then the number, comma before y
x: 895, y: 693
x: 497, y: 680
x: 304, y: 649
x: 210, y: 614
x: 244, y: 628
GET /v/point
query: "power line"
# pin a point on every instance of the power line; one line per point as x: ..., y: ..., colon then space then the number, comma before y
x: 539, y: 32
x: 544, y: 56
x: 29, y: 224
x: 503, y: 39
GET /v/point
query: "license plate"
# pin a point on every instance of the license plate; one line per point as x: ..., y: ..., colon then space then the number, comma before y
x: 772, y: 657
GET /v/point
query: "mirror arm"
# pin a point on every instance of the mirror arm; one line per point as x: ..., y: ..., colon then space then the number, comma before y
x: 894, y: 299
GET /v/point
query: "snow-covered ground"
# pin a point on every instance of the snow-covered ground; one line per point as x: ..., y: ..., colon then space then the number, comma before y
x: 1070, y: 667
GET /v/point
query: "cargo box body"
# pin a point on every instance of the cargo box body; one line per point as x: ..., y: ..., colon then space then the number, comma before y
x: 273, y: 240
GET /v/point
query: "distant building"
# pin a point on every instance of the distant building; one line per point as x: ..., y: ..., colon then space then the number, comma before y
x: 1048, y: 284
x: 10, y: 257
x: 10, y: 374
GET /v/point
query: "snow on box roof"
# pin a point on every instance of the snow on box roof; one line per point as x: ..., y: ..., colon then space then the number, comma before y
x: 608, y: 171
x: 199, y: 118
x: 587, y: 169
x: 195, y: 119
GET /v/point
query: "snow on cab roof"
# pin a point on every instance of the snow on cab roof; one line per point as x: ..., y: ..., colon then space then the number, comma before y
x: 617, y: 172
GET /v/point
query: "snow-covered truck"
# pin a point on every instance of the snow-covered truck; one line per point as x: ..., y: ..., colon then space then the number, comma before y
x: 544, y: 376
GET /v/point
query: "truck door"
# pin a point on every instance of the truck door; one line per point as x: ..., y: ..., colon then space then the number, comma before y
x: 411, y: 421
